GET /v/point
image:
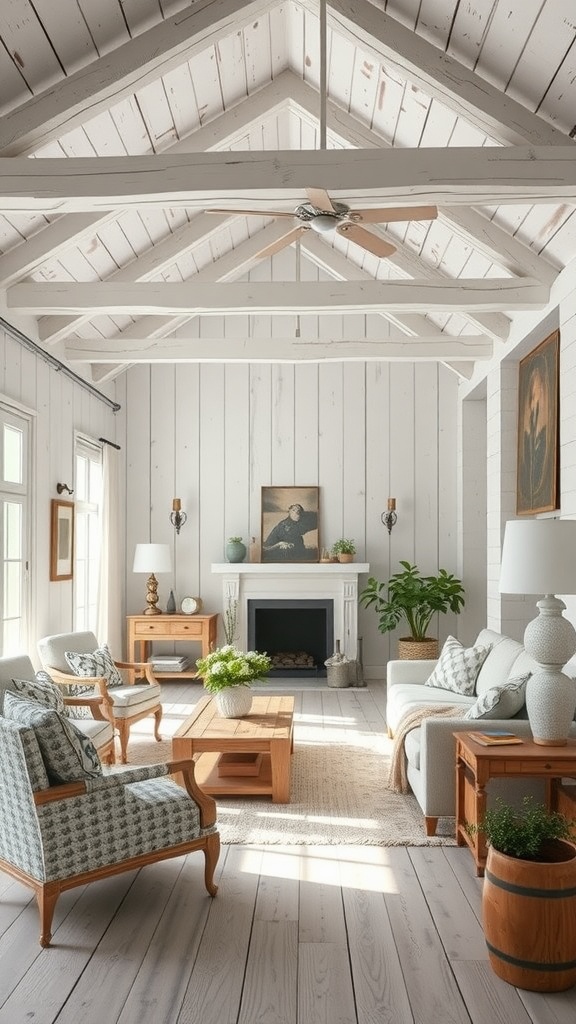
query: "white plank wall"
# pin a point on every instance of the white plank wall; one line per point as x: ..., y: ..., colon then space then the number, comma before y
x: 59, y: 407
x: 213, y: 435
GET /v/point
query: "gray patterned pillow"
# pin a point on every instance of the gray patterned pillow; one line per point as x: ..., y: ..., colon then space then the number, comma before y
x: 100, y: 663
x: 501, y: 701
x: 458, y: 667
x: 42, y: 689
x: 68, y: 755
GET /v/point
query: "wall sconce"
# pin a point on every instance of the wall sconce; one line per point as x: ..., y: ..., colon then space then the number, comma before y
x: 177, y: 516
x: 389, y: 518
x: 64, y: 487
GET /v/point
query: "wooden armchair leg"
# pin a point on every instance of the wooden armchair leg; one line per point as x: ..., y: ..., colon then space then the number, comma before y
x: 211, y: 854
x: 46, y: 897
x: 124, y: 735
x: 157, y: 720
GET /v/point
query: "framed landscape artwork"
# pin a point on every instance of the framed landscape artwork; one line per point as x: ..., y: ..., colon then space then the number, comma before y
x: 61, y: 540
x: 538, y: 477
x: 290, y: 524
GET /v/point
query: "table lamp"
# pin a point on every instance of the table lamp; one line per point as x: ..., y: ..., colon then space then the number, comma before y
x: 152, y: 558
x: 539, y: 557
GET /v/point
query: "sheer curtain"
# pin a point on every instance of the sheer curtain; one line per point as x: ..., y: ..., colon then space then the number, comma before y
x: 109, y: 629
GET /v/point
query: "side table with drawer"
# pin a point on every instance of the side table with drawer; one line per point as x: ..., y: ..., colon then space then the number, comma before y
x: 476, y: 765
x: 143, y: 629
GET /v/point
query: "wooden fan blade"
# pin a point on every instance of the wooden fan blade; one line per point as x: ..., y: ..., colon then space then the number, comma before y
x: 320, y: 199
x: 394, y: 213
x: 253, y: 213
x: 281, y: 243
x: 369, y: 241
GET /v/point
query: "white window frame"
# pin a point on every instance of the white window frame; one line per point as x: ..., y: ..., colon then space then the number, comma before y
x: 22, y: 419
x: 87, y: 581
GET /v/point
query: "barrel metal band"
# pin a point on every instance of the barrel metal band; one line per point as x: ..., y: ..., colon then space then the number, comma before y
x: 531, y: 965
x: 522, y: 890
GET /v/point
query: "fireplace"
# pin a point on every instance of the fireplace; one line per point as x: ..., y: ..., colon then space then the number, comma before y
x: 323, y: 584
x: 297, y: 634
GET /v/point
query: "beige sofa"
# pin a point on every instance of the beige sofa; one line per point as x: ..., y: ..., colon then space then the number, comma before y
x: 431, y: 748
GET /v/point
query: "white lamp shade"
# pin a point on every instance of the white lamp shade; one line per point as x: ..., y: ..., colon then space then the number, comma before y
x: 539, y: 557
x: 152, y: 558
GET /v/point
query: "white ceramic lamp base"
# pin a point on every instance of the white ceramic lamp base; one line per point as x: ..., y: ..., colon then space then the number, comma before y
x: 550, y: 694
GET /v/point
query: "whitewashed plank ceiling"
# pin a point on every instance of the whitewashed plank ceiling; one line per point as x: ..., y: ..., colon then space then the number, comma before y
x: 467, y: 107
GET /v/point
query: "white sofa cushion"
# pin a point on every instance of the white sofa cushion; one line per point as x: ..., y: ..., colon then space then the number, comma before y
x: 405, y: 697
x: 500, y: 701
x: 497, y: 668
x: 458, y: 667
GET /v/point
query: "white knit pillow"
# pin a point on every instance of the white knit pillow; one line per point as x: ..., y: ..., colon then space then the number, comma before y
x: 458, y: 667
x: 501, y: 701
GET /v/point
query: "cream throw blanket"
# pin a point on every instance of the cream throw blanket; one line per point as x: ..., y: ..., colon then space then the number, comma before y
x: 398, y: 781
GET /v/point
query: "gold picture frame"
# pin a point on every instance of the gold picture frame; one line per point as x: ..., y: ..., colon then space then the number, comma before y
x: 538, y: 476
x: 61, y: 540
x: 290, y: 524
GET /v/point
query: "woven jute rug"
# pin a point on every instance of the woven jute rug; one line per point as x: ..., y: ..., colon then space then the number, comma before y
x: 338, y: 796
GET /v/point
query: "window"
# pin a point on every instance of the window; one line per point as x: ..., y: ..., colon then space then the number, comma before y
x: 14, y: 518
x: 88, y: 498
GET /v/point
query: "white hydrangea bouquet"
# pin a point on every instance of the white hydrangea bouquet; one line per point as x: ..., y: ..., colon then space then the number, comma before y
x: 227, y: 666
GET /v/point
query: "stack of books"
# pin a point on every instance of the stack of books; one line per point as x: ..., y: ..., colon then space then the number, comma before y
x: 169, y: 662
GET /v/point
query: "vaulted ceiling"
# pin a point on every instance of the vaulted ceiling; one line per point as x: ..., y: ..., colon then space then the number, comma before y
x: 124, y: 122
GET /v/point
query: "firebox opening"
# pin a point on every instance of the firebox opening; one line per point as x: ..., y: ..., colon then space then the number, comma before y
x: 297, y: 634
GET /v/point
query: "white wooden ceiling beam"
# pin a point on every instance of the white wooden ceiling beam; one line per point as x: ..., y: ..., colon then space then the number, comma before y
x: 276, y: 298
x: 277, y: 179
x: 412, y: 57
x: 123, y: 71
x: 496, y: 325
x: 48, y: 243
x: 281, y: 350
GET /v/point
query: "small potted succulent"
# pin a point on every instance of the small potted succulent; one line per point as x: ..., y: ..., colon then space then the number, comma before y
x: 344, y: 550
x: 227, y: 674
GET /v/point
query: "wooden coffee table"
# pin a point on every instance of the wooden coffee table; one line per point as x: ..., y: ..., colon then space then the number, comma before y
x: 267, y: 731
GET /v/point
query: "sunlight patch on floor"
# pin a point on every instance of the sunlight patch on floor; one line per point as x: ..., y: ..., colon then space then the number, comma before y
x: 367, y: 868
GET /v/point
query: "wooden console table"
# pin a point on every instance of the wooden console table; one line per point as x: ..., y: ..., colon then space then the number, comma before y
x: 143, y: 629
x: 476, y: 765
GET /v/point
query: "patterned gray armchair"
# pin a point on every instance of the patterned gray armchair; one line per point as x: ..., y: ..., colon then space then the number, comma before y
x: 55, y: 837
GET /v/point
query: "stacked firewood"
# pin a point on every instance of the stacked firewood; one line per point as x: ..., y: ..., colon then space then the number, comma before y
x: 292, y: 659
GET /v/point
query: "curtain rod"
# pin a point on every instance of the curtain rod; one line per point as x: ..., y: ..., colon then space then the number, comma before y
x: 27, y: 342
x: 104, y: 440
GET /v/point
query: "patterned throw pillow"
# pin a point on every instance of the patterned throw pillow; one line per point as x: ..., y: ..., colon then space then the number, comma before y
x: 501, y: 701
x: 68, y: 755
x: 458, y: 667
x: 42, y: 689
x: 100, y: 663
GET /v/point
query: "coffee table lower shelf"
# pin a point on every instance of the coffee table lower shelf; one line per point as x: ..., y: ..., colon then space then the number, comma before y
x: 207, y: 777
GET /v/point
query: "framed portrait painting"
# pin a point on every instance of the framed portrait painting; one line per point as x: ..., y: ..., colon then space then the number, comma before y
x: 61, y: 540
x: 290, y: 524
x: 538, y: 477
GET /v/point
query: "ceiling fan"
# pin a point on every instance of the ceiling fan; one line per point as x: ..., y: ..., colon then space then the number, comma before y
x: 323, y: 215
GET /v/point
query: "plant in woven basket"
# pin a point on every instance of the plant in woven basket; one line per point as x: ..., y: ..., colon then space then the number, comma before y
x: 227, y: 666
x: 415, y: 598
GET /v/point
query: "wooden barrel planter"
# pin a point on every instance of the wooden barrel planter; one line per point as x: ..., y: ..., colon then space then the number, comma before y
x: 529, y: 918
x: 417, y: 649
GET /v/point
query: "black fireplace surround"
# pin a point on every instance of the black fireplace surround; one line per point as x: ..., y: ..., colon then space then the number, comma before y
x: 292, y: 625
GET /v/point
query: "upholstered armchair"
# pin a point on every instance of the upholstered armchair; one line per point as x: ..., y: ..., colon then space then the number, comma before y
x: 76, y: 660
x: 84, y: 711
x: 54, y: 837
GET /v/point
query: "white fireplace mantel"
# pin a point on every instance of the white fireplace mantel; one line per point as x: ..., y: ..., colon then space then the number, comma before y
x: 244, y: 581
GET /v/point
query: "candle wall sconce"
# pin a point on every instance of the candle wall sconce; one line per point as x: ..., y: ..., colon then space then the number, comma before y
x: 177, y: 516
x: 389, y: 517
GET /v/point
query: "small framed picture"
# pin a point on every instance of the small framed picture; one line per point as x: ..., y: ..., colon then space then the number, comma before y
x: 62, y: 540
x: 290, y: 518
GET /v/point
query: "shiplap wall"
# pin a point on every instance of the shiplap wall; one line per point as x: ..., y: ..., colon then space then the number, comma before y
x: 59, y: 407
x: 213, y: 435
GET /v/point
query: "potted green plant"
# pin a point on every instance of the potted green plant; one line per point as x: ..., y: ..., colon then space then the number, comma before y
x: 531, y: 936
x: 344, y: 550
x: 415, y: 598
x: 227, y: 674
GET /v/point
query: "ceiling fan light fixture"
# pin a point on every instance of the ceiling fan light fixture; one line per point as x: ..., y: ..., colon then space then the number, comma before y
x: 323, y: 223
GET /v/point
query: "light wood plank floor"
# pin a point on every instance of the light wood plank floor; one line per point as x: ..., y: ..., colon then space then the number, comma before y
x: 296, y: 935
